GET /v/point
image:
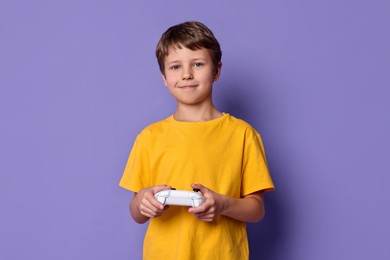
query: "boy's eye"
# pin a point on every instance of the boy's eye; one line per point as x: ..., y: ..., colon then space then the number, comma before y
x: 175, y: 67
x: 198, y: 64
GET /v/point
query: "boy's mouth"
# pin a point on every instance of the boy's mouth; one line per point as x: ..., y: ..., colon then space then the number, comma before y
x: 187, y: 86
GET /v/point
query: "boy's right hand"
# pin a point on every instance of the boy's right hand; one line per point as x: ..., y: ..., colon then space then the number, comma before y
x: 146, y: 204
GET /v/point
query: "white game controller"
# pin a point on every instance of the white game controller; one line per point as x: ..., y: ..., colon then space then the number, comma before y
x: 180, y: 197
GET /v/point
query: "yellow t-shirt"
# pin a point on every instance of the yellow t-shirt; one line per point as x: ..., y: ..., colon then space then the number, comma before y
x: 225, y: 155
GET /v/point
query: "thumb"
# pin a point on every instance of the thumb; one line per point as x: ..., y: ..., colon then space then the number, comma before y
x: 161, y: 187
x: 201, y: 188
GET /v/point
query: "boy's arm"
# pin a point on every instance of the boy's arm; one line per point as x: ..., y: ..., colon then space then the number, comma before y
x: 144, y: 205
x: 247, y: 209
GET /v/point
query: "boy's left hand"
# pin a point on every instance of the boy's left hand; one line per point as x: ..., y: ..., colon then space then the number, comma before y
x: 212, y: 207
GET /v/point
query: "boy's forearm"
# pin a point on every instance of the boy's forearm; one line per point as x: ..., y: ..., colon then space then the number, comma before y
x: 247, y: 209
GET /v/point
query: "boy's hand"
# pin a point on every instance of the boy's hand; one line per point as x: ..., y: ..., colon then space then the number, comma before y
x: 249, y: 208
x: 212, y: 207
x: 146, y: 204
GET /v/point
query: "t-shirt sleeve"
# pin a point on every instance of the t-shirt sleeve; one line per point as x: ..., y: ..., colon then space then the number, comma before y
x: 136, y: 173
x: 256, y: 176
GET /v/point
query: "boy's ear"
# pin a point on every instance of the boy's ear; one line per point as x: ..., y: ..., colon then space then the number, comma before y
x: 164, y: 79
x: 218, y: 72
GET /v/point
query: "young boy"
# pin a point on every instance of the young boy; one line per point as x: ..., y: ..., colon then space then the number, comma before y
x: 197, y: 147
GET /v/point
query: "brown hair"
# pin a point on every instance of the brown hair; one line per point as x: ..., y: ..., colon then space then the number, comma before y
x: 192, y: 35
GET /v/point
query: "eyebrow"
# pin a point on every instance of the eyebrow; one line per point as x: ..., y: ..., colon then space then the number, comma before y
x: 192, y: 60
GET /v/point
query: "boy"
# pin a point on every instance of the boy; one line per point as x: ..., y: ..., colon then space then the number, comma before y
x: 197, y: 147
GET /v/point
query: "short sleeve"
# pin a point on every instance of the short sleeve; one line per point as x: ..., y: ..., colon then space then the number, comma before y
x: 255, y: 172
x: 136, y: 173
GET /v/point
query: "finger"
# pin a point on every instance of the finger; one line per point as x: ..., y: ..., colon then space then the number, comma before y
x: 152, y: 200
x: 204, y: 212
x: 151, y: 205
x: 147, y: 209
x: 160, y: 188
x: 197, y: 186
x: 156, y: 204
x: 200, y: 187
x: 207, y: 218
x: 147, y: 212
x: 151, y: 212
x: 158, y: 212
x: 198, y: 210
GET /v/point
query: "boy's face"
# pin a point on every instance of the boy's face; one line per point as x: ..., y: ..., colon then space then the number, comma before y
x: 189, y: 75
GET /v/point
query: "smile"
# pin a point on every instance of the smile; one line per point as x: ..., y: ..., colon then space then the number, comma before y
x: 187, y: 86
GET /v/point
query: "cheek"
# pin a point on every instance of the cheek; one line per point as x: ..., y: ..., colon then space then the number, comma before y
x: 169, y: 82
x: 209, y: 77
x: 172, y: 78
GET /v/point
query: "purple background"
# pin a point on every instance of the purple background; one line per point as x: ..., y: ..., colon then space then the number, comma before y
x: 79, y: 80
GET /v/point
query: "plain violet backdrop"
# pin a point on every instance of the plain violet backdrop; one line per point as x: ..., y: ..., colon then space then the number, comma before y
x: 79, y: 80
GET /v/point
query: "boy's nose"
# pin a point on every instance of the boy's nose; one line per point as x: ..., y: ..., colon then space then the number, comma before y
x: 187, y: 74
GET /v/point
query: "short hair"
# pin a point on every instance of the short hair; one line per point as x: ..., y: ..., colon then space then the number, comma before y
x: 192, y: 35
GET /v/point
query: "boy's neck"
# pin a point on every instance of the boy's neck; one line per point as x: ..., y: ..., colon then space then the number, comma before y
x: 196, y: 114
